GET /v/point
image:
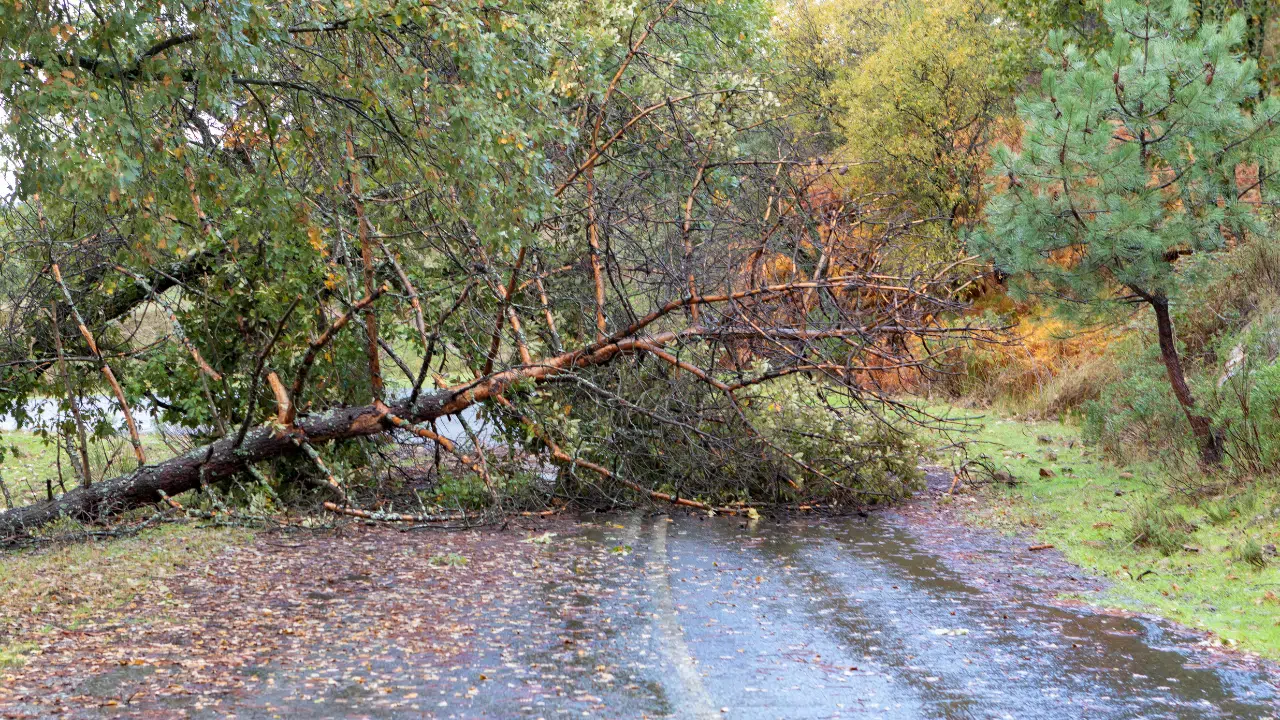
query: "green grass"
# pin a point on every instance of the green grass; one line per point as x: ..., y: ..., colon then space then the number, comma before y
x: 1101, y: 516
x: 29, y: 462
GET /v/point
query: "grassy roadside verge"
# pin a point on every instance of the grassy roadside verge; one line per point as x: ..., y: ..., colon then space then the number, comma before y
x: 68, y: 585
x: 1217, y: 570
x: 30, y: 462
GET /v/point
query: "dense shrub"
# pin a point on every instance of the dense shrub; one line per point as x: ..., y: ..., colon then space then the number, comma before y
x: 1230, y: 336
x: 1159, y: 528
x: 1137, y: 415
x: 1247, y: 398
x: 1052, y: 370
x: 1250, y: 553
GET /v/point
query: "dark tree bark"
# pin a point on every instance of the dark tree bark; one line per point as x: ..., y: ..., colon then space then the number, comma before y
x: 1209, y: 440
x: 225, y: 457
x: 151, y: 483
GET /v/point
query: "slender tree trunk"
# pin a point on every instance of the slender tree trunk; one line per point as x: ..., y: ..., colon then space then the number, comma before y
x: 1207, y: 437
x: 84, y: 469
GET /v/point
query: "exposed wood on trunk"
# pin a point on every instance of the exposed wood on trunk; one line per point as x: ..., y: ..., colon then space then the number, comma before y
x: 284, y: 408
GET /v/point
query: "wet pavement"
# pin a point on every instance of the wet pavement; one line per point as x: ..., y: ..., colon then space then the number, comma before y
x: 688, y: 617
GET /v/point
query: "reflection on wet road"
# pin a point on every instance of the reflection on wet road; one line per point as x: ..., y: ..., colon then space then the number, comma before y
x: 851, y: 619
x: 652, y: 617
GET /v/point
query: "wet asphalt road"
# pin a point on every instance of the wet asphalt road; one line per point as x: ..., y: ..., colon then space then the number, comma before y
x: 850, y: 618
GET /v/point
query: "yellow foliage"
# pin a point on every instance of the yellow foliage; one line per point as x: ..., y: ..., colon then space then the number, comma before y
x: 917, y: 89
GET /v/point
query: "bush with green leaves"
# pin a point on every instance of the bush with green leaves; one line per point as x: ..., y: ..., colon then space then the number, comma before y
x: 1249, y: 552
x: 1136, y: 416
x: 682, y: 436
x: 1232, y: 311
x: 849, y: 450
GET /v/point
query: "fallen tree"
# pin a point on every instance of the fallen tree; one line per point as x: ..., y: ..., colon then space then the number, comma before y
x: 235, y: 453
x: 253, y: 256
x: 231, y: 454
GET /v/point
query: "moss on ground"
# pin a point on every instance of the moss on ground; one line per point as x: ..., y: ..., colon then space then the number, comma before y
x: 1207, y: 561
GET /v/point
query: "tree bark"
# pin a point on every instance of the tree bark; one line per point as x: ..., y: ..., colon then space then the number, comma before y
x: 218, y: 460
x: 224, y: 457
x: 1209, y: 440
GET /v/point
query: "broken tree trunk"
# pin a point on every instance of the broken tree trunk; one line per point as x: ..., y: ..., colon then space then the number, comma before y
x: 217, y: 460
x: 223, y: 458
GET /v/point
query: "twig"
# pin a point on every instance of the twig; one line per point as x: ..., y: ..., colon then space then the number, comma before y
x: 106, y: 367
x: 86, y: 472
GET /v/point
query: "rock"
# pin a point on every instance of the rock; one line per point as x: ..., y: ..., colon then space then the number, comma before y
x: 1233, y: 364
x: 1051, y: 456
x: 1044, y: 439
x: 1046, y: 473
x: 1126, y: 475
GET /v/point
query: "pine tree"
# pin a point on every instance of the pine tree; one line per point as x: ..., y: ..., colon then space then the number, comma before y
x: 1128, y: 163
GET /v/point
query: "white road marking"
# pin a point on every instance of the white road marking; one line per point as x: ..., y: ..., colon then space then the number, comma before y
x: 696, y: 703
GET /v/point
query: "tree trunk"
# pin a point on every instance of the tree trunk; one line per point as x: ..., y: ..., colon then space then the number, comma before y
x: 150, y: 483
x: 1209, y: 440
x: 224, y: 457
